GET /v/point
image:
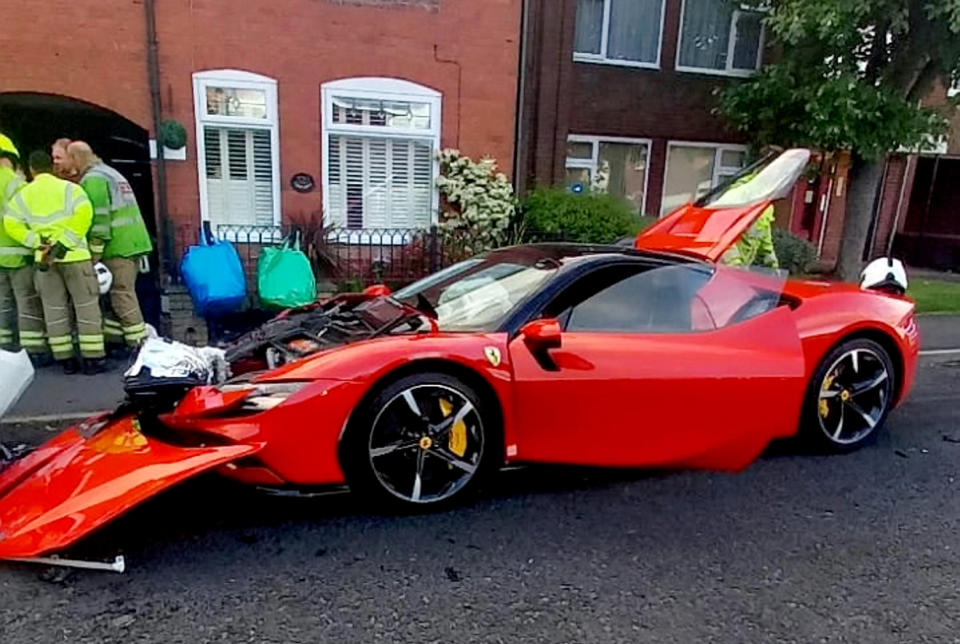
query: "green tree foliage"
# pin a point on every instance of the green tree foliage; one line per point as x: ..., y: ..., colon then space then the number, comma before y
x: 850, y: 75
x: 792, y: 105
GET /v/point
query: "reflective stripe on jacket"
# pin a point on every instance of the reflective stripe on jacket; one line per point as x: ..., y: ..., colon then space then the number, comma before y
x: 51, y: 210
x: 12, y: 254
x: 118, y: 229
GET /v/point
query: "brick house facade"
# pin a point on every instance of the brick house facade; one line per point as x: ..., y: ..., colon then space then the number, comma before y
x: 639, y: 89
x: 246, y: 80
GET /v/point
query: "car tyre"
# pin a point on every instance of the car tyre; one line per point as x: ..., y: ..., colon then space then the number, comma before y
x: 849, y: 397
x: 422, y: 442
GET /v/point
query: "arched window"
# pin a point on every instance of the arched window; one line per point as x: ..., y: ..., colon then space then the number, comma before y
x: 237, y: 148
x: 380, y: 140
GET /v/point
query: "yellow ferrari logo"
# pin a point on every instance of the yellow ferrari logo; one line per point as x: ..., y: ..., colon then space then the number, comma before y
x: 493, y: 355
x: 122, y: 438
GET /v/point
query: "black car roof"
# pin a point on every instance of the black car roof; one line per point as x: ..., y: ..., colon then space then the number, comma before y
x: 569, y: 254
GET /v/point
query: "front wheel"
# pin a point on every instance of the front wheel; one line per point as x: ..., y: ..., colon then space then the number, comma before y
x: 849, y: 397
x: 423, y: 441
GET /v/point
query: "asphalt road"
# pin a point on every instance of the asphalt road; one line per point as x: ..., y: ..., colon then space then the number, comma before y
x: 798, y: 548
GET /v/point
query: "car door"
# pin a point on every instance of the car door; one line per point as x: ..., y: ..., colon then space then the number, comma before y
x: 645, y: 376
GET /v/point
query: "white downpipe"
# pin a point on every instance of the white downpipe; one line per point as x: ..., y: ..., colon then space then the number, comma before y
x: 823, y: 220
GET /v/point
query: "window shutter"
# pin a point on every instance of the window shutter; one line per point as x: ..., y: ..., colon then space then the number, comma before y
x: 239, y: 169
x: 379, y: 182
x: 213, y: 157
x: 400, y: 183
x: 422, y: 190
x: 263, y: 177
x: 377, y: 200
x: 353, y: 153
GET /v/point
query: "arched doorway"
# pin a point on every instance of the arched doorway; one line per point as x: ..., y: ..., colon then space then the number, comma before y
x: 35, y: 120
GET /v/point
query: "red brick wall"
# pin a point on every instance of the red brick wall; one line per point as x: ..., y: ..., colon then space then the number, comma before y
x: 565, y: 97
x: 897, y: 169
x: 625, y: 101
x: 836, y: 211
x: 68, y: 48
x: 467, y: 50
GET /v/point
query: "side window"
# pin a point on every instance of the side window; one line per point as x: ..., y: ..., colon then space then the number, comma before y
x: 636, y: 299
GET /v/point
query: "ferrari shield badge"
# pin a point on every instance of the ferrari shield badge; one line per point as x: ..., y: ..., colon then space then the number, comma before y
x: 493, y: 355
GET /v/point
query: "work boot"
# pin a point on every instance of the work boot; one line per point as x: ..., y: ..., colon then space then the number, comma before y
x: 41, y: 360
x: 120, y: 353
x: 70, y: 366
x: 93, y: 366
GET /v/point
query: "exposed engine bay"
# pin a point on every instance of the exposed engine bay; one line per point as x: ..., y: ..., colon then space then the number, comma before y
x: 298, y: 333
x: 163, y: 371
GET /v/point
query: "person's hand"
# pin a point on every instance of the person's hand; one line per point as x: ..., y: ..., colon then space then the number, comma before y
x: 45, y: 259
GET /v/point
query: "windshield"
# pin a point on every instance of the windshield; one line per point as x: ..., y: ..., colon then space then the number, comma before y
x: 477, y: 294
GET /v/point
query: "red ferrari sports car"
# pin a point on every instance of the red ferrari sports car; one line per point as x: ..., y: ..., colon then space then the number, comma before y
x: 654, y: 356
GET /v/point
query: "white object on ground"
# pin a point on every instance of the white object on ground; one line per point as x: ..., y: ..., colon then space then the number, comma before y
x: 104, y: 277
x: 170, y: 359
x: 117, y: 565
x: 16, y: 374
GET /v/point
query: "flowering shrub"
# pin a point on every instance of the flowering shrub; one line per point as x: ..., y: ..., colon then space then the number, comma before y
x: 479, y: 201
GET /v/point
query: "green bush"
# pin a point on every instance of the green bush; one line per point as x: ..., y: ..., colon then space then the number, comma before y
x: 795, y: 254
x: 590, y: 217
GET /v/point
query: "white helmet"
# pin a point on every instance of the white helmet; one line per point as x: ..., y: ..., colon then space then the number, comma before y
x: 104, y: 277
x: 885, y: 274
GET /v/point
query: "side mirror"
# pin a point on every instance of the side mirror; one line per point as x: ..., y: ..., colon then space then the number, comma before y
x: 542, y: 335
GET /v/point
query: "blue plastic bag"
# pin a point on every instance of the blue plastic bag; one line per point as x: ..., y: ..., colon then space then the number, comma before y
x: 214, y: 276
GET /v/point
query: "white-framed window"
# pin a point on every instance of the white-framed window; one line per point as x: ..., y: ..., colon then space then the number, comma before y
x: 694, y: 168
x: 619, y: 32
x: 238, y: 158
x: 718, y: 37
x: 380, y: 142
x: 610, y: 164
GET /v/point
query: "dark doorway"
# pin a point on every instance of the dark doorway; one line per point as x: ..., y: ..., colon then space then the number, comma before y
x: 34, y: 121
x: 931, y: 232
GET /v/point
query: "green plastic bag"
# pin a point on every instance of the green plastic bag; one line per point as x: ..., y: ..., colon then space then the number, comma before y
x: 284, y: 276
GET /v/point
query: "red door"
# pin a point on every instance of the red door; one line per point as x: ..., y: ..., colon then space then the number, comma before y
x: 703, y: 398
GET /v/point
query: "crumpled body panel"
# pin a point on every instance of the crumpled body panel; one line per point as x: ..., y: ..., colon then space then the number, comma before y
x: 72, y: 485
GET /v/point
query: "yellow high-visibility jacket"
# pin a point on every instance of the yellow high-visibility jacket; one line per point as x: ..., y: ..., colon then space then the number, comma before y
x: 755, y: 246
x: 51, y: 210
x: 12, y: 254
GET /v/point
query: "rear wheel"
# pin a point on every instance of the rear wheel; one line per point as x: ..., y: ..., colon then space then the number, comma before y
x: 424, y: 441
x: 849, y: 397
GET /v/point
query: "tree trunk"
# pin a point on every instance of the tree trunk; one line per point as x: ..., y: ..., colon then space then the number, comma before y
x: 865, y: 177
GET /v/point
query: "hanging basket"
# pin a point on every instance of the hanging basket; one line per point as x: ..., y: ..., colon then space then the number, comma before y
x: 172, y: 135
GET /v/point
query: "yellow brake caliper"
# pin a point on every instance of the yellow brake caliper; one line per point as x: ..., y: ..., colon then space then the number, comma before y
x: 458, y: 433
x: 824, y: 408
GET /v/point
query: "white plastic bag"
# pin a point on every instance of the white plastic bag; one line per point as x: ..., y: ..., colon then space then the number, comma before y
x: 16, y: 374
x: 170, y: 359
